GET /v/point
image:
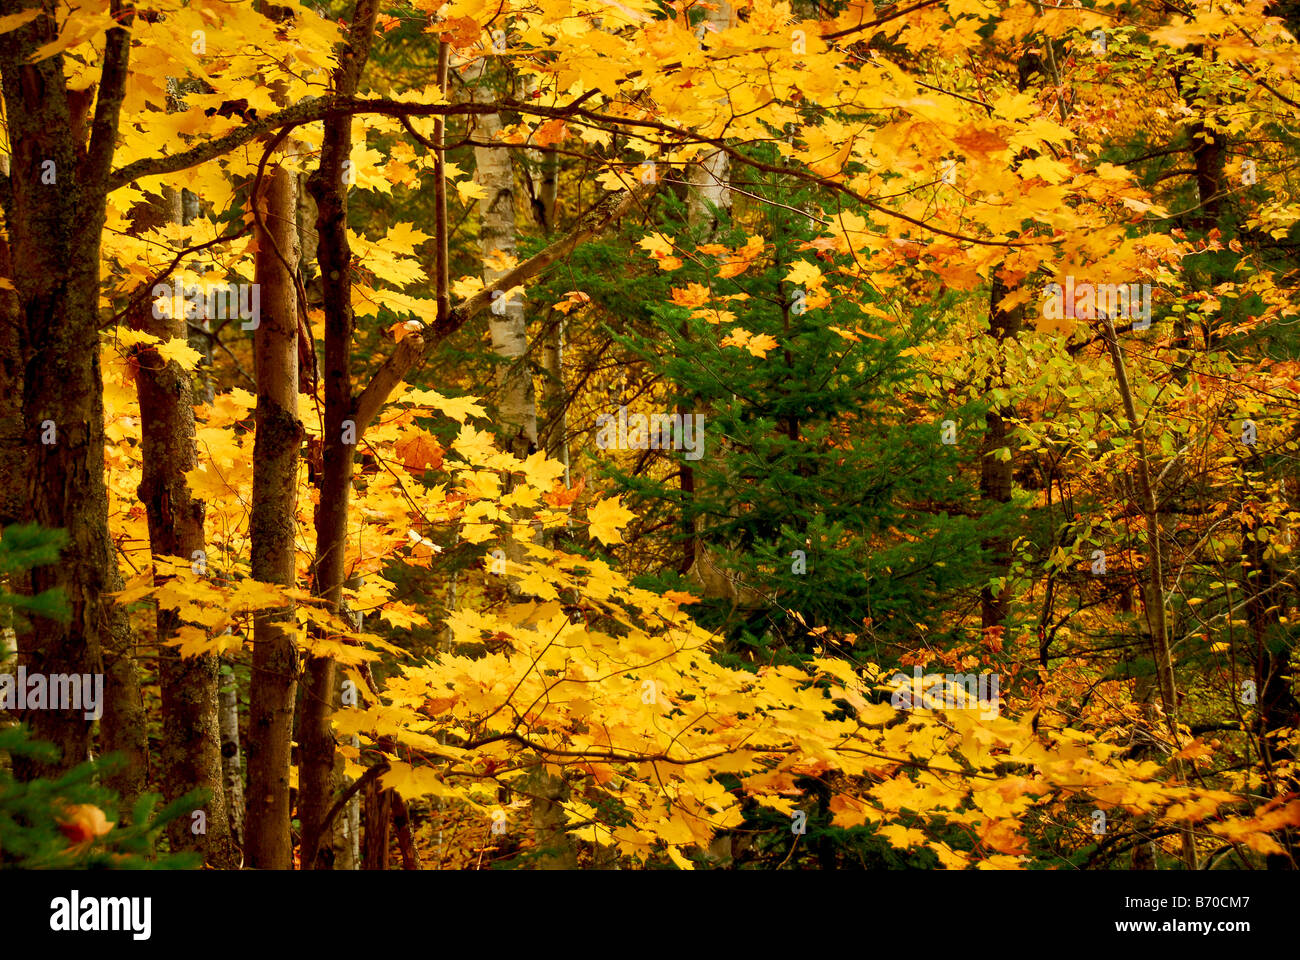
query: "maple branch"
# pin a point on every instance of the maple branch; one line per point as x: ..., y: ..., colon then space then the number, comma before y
x: 416, y: 346
x: 718, y: 143
x: 419, y: 137
x: 893, y: 15
x: 308, y: 110
x: 378, y: 770
x: 442, y: 280
x: 1075, y: 348
x: 108, y: 105
x: 311, y: 111
x: 1254, y: 74
x: 1277, y: 93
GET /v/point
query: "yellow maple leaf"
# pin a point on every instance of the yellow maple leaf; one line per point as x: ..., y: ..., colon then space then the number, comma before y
x: 406, y: 236
x: 714, y: 316
x: 902, y: 837
x: 402, y: 615
x: 692, y: 295
x: 192, y: 641
x: 457, y: 408
x: 805, y: 274
x: 743, y: 258
x: 758, y: 344
x: 126, y: 337
x: 606, y: 518
x: 541, y: 472
x: 469, y: 190
x: 474, y: 445
x: 180, y: 352
x: 675, y: 855
x: 411, y: 782
x: 656, y: 244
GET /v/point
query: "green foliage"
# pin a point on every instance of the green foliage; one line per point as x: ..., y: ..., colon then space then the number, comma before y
x: 35, y: 815
x: 21, y: 548
x: 52, y: 824
x: 818, y: 491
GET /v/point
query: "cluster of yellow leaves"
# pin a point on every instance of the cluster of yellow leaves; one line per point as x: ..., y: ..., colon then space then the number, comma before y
x: 626, y: 702
x: 757, y: 344
x: 660, y: 248
x: 614, y: 686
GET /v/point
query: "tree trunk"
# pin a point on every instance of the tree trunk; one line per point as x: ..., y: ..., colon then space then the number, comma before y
x: 995, y: 474
x: 498, y: 238
x: 54, y: 213
x: 13, y: 451
x: 328, y: 186
x: 405, y: 836
x: 275, y: 469
x: 379, y: 816
x: 190, y: 753
x: 123, y: 731
x: 13, y: 454
x: 232, y: 768
x: 708, y: 197
x: 710, y: 176
x: 1154, y: 595
x: 516, y: 404
x: 553, y: 429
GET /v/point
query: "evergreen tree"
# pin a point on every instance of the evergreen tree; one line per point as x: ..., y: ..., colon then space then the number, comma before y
x: 71, y: 821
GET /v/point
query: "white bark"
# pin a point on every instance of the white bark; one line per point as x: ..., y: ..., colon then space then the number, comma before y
x: 709, y: 197
x: 232, y: 767
x: 516, y: 397
x: 516, y: 401
x: 710, y: 176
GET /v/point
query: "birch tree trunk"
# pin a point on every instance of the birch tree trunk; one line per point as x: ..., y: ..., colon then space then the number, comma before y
x: 708, y: 197
x: 710, y: 177
x: 554, y: 426
x: 516, y: 398
x: 498, y: 240
x: 232, y: 767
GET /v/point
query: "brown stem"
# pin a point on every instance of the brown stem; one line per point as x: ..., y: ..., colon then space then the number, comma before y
x: 1155, y: 607
x: 334, y: 255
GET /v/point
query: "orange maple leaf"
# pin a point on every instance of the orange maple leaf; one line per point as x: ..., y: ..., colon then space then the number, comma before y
x: 419, y: 452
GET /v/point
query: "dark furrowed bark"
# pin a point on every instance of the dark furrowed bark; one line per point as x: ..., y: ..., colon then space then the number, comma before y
x: 55, y: 211
x: 190, y: 751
